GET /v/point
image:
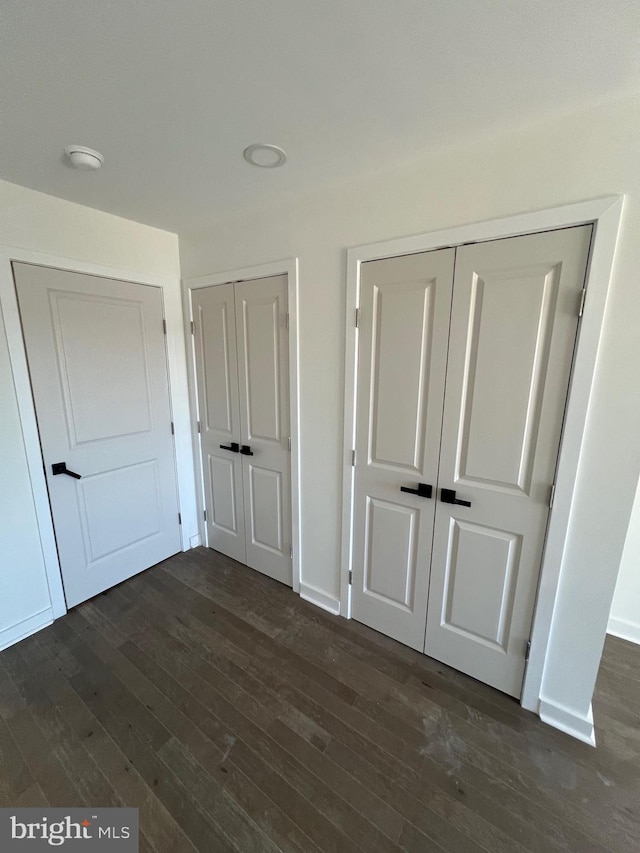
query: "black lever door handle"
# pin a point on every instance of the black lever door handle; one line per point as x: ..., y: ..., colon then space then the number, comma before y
x: 448, y: 496
x: 61, y: 468
x: 424, y: 490
x: 234, y: 447
x: 246, y: 450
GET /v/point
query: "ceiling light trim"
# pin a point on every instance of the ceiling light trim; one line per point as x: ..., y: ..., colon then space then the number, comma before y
x: 251, y: 151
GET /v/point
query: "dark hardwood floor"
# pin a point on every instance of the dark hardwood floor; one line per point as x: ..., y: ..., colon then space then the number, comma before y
x: 236, y: 716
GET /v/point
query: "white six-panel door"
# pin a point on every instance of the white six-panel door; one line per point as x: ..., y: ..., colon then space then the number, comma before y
x: 240, y: 334
x: 513, y: 329
x: 98, y: 368
x: 404, y: 324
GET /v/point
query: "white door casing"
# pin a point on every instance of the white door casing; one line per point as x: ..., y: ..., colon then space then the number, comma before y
x: 98, y: 368
x: 405, y: 306
x: 513, y: 328
x: 564, y: 550
x: 242, y: 380
x: 263, y: 373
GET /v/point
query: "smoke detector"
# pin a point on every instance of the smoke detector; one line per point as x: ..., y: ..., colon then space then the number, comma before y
x: 83, y: 158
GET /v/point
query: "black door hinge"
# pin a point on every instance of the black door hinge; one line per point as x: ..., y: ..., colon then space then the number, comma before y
x: 179, y: 518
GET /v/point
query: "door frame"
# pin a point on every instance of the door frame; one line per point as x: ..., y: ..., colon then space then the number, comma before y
x: 605, y: 214
x: 178, y: 397
x: 288, y: 267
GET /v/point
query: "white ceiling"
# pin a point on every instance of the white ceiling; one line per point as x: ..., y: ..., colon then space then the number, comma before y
x: 171, y: 91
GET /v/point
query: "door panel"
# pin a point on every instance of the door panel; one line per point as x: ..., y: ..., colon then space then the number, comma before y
x: 266, y: 513
x: 402, y: 311
x: 219, y: 412
x: 513, y: 326
x: 261, y: 322
x: 499, y: 451
x: 259, y: 332
x: 390, y: 541
x: 223, y: 497
x: 216, y: 338
x: 119, y: 508
x: 119, y: 405
x: 97, y: 361
x: 481, y: 613
x: 404, y: 322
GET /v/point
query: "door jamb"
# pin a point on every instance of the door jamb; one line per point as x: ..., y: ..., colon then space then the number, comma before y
x: 605, y: 214
x: 288, y: 267
x: 26, y: 404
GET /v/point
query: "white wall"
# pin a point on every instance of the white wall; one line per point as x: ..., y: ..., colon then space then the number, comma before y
x: 24, y: 592
x: 624, y: 619
x: 33, y: 221
x: 574, y: 158
x: 40, y: 222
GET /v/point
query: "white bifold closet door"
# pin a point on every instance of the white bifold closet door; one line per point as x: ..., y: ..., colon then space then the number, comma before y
x: 242, y: 371
x: 463, y: 372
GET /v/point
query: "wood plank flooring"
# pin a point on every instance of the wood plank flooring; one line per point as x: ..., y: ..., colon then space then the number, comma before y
x: 237, y: 717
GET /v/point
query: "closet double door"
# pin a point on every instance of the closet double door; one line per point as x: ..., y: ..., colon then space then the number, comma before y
x: 464, y: 359
x: 242, y: 377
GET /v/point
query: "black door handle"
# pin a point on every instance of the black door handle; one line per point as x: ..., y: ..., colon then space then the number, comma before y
x: 61, y: 468
x: 246, y: 450
x: 234, y: 447
x: 424, y: 490
x: 448, y: 496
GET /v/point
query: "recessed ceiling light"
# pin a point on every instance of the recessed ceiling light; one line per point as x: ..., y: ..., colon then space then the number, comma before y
x: 265, y: 156
x: 84, y: 158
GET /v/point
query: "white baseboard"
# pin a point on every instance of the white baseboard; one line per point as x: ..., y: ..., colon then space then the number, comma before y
x: 195, y: 541
x: 623, y: 629
x: 319, y: 598
x: 568, y: 721
x: 24, y: 629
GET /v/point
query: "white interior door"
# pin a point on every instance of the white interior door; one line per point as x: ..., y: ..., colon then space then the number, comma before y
x: 263, y: 371
x: 219, y: 413
x: 513, y: 328
x: 242, y: 370
x: 97, y: 361
x: 405, y: 306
